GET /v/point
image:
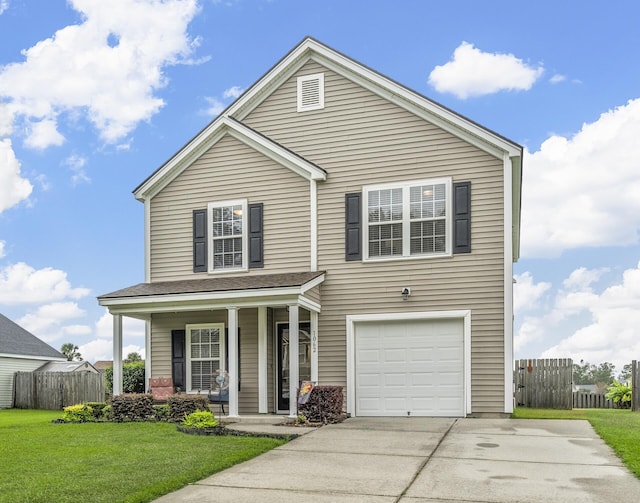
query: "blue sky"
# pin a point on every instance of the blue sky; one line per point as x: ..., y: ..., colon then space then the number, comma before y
x: 95, y: 95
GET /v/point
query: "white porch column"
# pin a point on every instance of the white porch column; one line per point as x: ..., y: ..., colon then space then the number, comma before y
x: 294, y: 369
x: 117, y: 354
x: 147, y: 353
x: 263, y: 405
x: 314, y: 345
x: 233, y: 361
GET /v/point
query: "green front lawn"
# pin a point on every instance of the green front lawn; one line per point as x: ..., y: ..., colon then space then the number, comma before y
x: 108, y: 462
x: 618, y: 428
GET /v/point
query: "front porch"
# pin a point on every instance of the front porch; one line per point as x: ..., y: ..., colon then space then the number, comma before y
x: 251, y: 327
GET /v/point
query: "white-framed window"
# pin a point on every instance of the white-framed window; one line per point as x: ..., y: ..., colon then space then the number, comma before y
x: 228, y: 248
x: 310, y: 92
x: 205, y: 354
x: 407, y: 219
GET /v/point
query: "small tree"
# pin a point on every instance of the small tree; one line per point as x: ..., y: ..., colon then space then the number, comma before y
x: 133, y: 357
x: 70, y: 350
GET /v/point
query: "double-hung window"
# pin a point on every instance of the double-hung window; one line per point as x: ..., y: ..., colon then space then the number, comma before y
x: 408, y: 219
x: 228, y: 247
x: 205, y: 347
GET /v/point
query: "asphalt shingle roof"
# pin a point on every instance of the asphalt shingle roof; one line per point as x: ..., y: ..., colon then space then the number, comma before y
x: 15, y: 340
x: 225, y: 284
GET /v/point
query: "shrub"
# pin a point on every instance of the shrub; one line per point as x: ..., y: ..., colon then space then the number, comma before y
x: 80, y: 413
x: 324, y: 405
x: 132, y: 378
x: 200, y: 419
x: 132, y: 407
x: 98, y: 409
x: 183, y: 405
x: 620, y: 394
x: 162, y: 412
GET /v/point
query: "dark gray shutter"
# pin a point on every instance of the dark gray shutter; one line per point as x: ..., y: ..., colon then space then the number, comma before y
x: 353, y: 226
x: 462, y: 217
x: 256, y: 236
x: 200, y: 241
x: 178, y: 362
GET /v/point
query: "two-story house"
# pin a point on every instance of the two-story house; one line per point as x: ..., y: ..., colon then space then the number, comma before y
x: 332, y: 225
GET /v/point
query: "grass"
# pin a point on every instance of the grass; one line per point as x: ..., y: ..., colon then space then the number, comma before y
x: 108, y: 462
x: 619, y: 428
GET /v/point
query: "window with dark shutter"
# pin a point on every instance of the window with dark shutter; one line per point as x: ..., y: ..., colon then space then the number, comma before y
x: 256, y: 236
x: 353, y: 226
x: 462, y: 217
x: 200, y: 240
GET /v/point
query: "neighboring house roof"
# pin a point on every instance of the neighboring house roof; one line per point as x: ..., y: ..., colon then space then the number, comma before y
x: 102, y: 365
x: 67, y: 366
x: 229, y: 122
x: 15, y: 340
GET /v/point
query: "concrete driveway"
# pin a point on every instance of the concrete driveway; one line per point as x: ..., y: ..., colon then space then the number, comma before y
x: 421, y: 460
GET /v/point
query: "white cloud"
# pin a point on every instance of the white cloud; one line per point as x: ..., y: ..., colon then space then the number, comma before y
x: 4, y: 5
x: 43, y: 134
x: 472, y: 72
x: 22, y: 284
x: 583, y: 191
x: 215, y: 106
x: 76, y: 164
x: 107, y: 67
x: 101, y: 348
x: 526, y: 293
x: 611, y: 331
x: 46, y: 322
x: 13, y: 188
x: 2, y: 249
x: 557, y: 78
x: 232, y: 92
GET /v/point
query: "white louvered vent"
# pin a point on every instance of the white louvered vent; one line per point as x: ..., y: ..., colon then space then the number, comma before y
x: 311, y: 92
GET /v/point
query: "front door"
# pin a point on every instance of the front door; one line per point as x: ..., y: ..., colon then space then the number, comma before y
x: 304, y: 360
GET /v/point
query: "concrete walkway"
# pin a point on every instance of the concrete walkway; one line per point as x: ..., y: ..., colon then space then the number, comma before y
x: 428, y: 460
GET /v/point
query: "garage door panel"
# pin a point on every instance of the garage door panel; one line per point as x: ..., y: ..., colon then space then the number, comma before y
x: 418, y: 364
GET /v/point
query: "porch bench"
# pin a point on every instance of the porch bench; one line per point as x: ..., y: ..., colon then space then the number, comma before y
x: 219, y: 397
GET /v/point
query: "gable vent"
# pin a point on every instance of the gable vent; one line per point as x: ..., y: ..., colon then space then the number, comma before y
x: 311, y: 92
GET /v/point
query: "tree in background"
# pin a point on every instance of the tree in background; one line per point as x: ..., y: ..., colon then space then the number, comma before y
x: 602, y: 375
x: 133, y: 357
x: 70, y: 350
x: 625, y: 375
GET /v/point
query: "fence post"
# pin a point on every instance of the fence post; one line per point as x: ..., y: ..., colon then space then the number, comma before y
x: 635, y: 389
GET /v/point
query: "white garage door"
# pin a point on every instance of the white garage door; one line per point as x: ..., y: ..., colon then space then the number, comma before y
x: 410, y: 367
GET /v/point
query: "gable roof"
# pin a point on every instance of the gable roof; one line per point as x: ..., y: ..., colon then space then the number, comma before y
x: 15, y: 340
x: 230, y: 122
x: 208, y: 137
x: 66, y: 366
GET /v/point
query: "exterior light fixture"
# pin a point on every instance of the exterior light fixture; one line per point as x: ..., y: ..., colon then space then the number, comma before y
x: 406, y: 292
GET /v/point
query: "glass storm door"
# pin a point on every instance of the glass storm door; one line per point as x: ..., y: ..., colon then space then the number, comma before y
x: 304, y: 360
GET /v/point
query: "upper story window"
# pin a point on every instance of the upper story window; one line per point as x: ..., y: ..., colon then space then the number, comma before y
x: 407, y: 219
x: 310, y: 92
x: 228, y: 248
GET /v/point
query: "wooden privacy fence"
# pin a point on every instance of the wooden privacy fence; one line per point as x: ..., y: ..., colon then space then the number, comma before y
x: 55, y: 390
x: 586, y: 400
x: 635, y: 390
x: 544, y: 384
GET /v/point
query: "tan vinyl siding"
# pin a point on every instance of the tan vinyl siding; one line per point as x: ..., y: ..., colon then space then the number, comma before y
x: 163, y: 324
x: 231, y: 170
x: 359, y: 138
